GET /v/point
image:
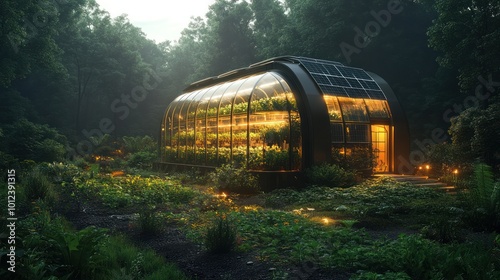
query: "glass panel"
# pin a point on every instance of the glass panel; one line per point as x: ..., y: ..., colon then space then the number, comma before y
x: 380, y: 143
x: 211, y: 126
x: 221, y: 155
x: 377, y: 108
x: 356, y: 133
x: 225, y: 129
x: 240, y: 114
x: 198, y: 138
x: 178, y: 127
x: 332, y: 104
x: 170, y: 153
x: 269, y: 119
x: 186, y: 130
x: 353, y: 110
x: 202, y: 153
x: 337, y: 131
x: 295, y: 137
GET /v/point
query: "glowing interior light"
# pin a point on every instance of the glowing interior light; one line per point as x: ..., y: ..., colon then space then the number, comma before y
x: 427, y: 167
x: 455, y: 171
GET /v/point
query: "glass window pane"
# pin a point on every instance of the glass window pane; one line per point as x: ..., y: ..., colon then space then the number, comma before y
x: 353, y: 110
x: 270, y: 119
x: 377, y: 108
x: 337, y: 131
x: 240, y: 123
x: 356, y: 133
x: 203, y: 154
x: 332, y: 104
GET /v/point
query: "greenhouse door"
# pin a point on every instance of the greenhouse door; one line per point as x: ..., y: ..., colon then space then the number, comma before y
x: 381, y: 147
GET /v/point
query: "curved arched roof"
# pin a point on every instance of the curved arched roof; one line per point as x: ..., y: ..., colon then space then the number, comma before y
x: 311, y: 81
x: 332, y: 77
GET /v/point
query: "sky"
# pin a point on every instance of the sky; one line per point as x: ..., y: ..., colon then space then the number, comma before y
x: 159, y: 20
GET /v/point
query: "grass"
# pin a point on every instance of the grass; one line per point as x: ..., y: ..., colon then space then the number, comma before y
x: 320, y: 225
x: 50, y: 247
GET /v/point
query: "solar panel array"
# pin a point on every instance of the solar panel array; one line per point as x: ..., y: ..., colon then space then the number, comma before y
x: 336, y: 79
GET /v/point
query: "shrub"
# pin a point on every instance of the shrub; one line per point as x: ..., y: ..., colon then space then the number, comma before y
x: 25, y: 140
x: 141, y: 159
x: 139, y: 144
x: 230, y: 178
x: 330, y: 175
x: 360, y: 158
x: 37, y: 185
x: 444, y: 230
x: 220, y: 236
x: 149, y: 221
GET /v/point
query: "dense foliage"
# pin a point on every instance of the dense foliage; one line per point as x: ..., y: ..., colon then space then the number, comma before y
x: 53, y: 72
x: 76, y: 84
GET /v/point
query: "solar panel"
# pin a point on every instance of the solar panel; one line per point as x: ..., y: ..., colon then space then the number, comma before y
x: 321, y: 79
x: 356, y: 92
x: 346, y: 72
x: 332, y: 70
x: 337, y: 79
x: 376, y: 94
x: 314, y: 67
x: 354, y: 83
x: 332, y: 90
x: 369, y: 84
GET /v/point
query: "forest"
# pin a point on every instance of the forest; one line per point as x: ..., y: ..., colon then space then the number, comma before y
x: 72, y: 67
x: 83, y: 94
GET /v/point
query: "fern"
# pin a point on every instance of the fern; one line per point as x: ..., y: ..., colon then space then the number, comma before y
x: 483, y: 193
x: 484, y: 196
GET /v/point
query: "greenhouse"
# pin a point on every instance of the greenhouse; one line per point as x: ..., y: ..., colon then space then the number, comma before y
x: 286, y: 114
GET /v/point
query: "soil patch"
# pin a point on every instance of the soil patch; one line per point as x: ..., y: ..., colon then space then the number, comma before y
x: 191, y: 258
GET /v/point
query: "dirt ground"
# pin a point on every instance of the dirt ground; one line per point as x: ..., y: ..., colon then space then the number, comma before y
x: 191, y: 258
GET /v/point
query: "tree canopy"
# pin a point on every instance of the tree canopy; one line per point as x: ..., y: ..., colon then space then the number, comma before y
x: 70, y: 65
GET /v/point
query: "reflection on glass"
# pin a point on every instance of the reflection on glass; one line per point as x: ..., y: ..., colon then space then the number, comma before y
x: 333, y: 107
x: 377, y: 108
x: 353, y: 110
x: 356, y: 133
x: 253, y: 121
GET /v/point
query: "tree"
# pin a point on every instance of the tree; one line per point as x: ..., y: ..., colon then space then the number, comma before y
x: 476, y: 134
x: 27, y: 36
x: 25, y: 140
x: 270, y: 28
x: 467, y: 33
x: 230, y: 40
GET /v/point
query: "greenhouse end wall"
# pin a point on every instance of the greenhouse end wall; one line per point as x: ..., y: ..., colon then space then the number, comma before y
x: 284, y: 115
